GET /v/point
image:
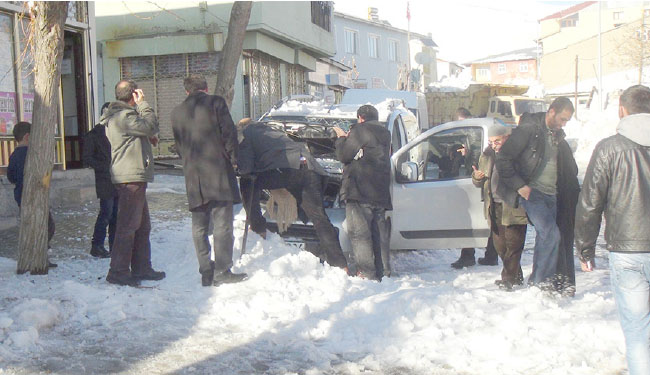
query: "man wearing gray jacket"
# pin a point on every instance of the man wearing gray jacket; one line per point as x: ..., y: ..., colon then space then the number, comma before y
x: 131, y: 128
x: 617, y: 183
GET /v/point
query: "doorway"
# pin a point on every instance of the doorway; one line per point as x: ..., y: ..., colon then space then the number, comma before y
x: 74, y: 98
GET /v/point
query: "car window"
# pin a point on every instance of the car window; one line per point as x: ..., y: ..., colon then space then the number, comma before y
x: 396, y: 138
x: 447, y: 155
x: 505, y: 109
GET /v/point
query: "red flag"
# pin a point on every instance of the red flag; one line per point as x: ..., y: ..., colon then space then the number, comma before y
x: 408, y: 11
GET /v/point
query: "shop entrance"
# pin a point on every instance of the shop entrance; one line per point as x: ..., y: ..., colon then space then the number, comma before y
x: 74, y: 98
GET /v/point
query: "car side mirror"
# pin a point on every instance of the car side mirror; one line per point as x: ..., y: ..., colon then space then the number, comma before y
x: 410, y: 171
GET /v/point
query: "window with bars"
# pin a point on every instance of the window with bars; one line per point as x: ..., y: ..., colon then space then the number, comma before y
x: 161, y: 80
x: 265, y: 83
x: 296, y: 83
x: 321, y: 13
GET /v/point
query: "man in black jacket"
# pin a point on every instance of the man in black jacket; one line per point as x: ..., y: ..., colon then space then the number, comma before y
x: 617, y: 183
x: 206, y: 140
x: 365, y: 153
x: 278, y: 162
x: 536, y: 162
x: 97, y: 155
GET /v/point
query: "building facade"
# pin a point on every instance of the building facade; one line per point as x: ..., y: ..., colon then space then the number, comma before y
x: 514, y: 67
x: 570, y: 42
x: 158, y: 48
x: 77, y: 102
x: 379, y: 53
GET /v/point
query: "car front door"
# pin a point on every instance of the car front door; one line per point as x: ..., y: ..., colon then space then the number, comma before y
x: 435, y: 203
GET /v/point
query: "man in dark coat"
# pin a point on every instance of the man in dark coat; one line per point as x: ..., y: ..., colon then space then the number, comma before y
x: 365, y: 153
x: 97, y: 155
x: 206, y: 140
x: 278, y: 162
x: 536, y: 162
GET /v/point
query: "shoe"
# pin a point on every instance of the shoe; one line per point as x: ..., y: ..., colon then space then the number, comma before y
x: 51, y: 265
x: 122, y: 280
x: 463, y: 262
x: 500, y: 282
x: 150, y: 274
x: 505, y: 285
x: 98, y: 251
x: 207, y: 278
x: 227, y: 277
x: 488, y: 261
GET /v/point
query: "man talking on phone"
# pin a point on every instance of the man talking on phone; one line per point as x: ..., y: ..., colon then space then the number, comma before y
x: 131, y: 128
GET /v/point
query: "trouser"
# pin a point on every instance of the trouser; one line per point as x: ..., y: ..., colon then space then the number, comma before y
x: 306, y: 186
x: 221, y: 215
x: 369, y: 235
x: 131, y: 246
x: 630, y: 276
x: 490, y: 252
x: 542, y: 212
x: 509, y: 244
x: 107, y: 217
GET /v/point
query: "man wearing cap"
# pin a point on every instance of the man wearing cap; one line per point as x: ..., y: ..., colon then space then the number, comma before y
x: 538, y: 165
x: 507, y: 223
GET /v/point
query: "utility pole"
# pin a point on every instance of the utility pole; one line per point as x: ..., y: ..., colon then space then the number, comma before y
x: 575, y: 94
x: 642, y: 39
x: 600, y: 56
x: 408, y: 47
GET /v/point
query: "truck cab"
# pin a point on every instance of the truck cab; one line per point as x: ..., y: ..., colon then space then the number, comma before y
x: 509, y: 108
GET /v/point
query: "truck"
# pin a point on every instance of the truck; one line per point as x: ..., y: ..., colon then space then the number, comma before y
x: 505, y: 102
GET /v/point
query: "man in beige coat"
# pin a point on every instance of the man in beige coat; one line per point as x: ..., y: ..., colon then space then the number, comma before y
x: 507, y: 223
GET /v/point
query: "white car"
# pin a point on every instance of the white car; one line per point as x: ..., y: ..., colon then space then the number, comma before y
x: 433, y: 207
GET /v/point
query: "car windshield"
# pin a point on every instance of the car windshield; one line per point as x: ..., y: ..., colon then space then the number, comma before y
x: 343, y: 123
x: 526, y: 105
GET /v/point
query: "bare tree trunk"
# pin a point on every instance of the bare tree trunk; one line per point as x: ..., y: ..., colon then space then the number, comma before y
x: 239, y: 16
x: 48, y: 20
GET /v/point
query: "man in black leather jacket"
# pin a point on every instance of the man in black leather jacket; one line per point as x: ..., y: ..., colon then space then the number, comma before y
x: 537, y: 163
x: 617, y: 183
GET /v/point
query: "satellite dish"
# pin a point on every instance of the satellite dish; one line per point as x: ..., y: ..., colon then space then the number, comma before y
x: 422, y: 58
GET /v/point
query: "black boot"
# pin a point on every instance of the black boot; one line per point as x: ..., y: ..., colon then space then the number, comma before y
x: 463, y: 262
x: 207, y: 278
x: 488, y: 261
x: 466, y: 259
x: 98, y: 251
x: 149, y: 274
x: 122, y: 279
x: 227, y: 277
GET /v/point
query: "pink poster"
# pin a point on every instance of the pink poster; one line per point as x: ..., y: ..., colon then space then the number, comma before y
x: 28, y: 102
x: 7, y: 112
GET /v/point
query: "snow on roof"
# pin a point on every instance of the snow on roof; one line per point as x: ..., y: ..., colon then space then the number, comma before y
x: 520, y: 54
x: 569, y: 11
x: 343, y: 110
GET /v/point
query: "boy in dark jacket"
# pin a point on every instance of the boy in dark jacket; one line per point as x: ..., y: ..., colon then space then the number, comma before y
x: 97, y: 155
x: 16, y: 168
x: 365, y: 152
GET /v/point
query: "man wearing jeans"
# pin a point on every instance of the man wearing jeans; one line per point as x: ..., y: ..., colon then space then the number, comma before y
x: 131, y: 128
x: 537, y: 163
x: 365, y: 153
x: 617, y: 183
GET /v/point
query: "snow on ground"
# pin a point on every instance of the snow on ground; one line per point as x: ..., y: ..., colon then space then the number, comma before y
x: 296, y: 316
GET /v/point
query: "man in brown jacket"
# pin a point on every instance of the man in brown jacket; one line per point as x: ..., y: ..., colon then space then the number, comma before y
x: 507, y: 223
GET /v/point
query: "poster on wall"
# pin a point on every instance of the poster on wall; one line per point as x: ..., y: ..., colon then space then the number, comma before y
x: 7, y: 112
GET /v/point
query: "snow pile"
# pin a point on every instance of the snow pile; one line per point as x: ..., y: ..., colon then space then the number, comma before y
x: 294, y: 315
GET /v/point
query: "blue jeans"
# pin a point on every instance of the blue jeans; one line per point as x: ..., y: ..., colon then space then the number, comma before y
x: 542, y: 213
x: 630, y: 275
x: 107, y: 217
